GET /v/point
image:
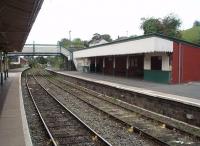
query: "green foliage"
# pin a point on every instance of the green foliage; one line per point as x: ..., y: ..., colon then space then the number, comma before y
x: 96, y: 37
x: 56, y: 62
x: 169, y: 25
x: 151, y: 25
x: 41, y: 60
x: 76, y: 43
x: 192, y: 35
x: 133, y: 36
x: 37, y: 61
x: 196, y: 23
x: 65, y: 43
x: 86, y: 44
x: 107, y: 37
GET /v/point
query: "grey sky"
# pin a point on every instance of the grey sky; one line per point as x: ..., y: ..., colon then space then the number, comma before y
x: 114, y: 17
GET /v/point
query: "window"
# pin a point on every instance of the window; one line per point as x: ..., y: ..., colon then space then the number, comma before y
x: 133, y: 62
x: 156, y: 63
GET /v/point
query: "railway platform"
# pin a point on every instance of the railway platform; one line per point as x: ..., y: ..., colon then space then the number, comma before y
x: 185, y: 93
x: 13, y: 126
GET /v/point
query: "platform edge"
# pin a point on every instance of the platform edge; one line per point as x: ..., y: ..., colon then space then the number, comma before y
x: 27, y: 137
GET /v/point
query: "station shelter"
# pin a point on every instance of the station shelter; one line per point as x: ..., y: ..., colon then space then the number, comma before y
x: 152, y: 57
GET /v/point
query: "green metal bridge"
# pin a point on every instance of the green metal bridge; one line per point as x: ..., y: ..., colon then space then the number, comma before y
x: 43, y: 50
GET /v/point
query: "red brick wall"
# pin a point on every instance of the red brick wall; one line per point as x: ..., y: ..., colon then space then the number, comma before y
x: 175, y: 63
x: 189, y: 63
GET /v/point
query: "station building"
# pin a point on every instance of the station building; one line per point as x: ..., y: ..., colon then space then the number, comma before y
x: 150, y: 57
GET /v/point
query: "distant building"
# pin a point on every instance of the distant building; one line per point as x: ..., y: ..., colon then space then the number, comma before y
x: 23, y: 61
x: 151, y: 57
x: 97, y: 40
x: 121, y: 38
x: 17, y: 62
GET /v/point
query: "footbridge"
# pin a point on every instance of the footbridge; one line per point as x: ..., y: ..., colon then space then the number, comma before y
x: 43, y: 50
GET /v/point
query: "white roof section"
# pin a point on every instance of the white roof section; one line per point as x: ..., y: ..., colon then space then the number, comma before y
x: 99, y: 43
x: 143, y: 45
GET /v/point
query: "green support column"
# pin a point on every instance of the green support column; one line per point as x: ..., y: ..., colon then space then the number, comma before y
x: 127, y: 65
x: 1, y: 68
x: 95, y: 65
x: 113, y: 65
x: 103, y: 65
x: 4, y: 65
x: 7, y: 65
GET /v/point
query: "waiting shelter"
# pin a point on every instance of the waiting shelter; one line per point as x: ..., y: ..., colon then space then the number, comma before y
x: 152, y: 57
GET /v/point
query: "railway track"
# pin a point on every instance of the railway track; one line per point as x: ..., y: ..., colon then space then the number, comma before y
x: 148, y: 127
x: 63, y: 127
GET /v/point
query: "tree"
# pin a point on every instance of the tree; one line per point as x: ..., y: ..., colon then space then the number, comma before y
x: 151, y: 25
x: 196, y: 23
x: 192, y: 35
x: 65, y: 43
x: 198, y: 39
x: 97, y: 37
x: 133, y: 36
x: 86, y: 43
x: 56, y: 61
x: 41, y: 60
x: 76, y: 43
x: 169, y: 25
x: 107, y: 37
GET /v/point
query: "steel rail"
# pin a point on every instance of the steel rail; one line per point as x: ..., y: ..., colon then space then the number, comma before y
x: 84, y: 124
x: 69, y: 84
x: 136, y: 129
x: 46, y: 127
x: 102, y: 97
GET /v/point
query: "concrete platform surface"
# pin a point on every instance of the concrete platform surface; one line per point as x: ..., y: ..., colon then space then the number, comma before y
x: 186, y: 93
x: 13, y: 125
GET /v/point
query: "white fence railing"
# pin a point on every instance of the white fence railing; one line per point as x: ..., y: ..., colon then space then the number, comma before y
x: 37, y: 49
x: 34, y: 48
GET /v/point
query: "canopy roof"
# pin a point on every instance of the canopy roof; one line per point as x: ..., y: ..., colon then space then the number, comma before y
x: 141, y: 44
x: 134, y: 46
x: 16, y: 20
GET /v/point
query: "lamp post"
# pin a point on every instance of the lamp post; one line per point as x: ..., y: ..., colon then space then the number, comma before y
x: 127, y: 33
x: 70, y: 51
x: 70, y: 35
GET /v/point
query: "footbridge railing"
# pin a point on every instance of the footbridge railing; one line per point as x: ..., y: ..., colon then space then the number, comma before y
x: 43, y: 50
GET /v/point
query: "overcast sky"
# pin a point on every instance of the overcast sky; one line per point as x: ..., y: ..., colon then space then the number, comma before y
x: 114, y: 17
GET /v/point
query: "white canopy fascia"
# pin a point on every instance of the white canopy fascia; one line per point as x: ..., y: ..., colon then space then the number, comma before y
x: 145, y: 45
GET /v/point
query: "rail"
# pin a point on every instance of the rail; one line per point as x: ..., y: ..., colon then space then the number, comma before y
x: 99, y: 138
x: 160, y: 139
